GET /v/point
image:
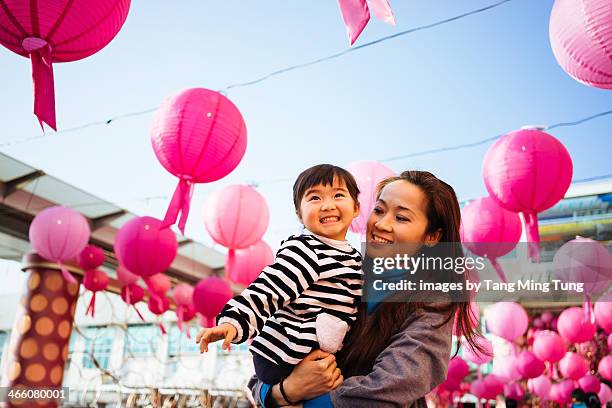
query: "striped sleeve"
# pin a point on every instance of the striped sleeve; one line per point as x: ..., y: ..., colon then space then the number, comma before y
x: 293, y: 271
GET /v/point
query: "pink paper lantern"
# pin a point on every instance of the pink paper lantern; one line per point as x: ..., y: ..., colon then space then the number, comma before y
x: 527, y: 171
x: 605, y: 394
x: 573, y: 366
x: 210, y: 295
x: 95, y: 281
x: 126, y: 277
x: 59, y: 234
x: 574, y: 326
x: 48, y: 31
x: 605, y: 367
x: 356, y: 14
x: 199, y: 136
x: 603, y: 313
x: 159, y: 305
x: 141, y: 237
x: 590, y: 383
x: 476, y: 357
x: 506, y: 368
x: 489, y: 230
x: 478, y: 388
x: 244, y: 265
x: 91, y: 257
x: 507, y: 320
x: 236, y: 216
x: 457, y: 369
x: 561, y: 393
x: 367, y: 174
x: 529, y: 365
x: 493, y: 387
x: 183, y: 294
x: 514, y: 391
x: 584, y: 260
x: 540, y: 386
x: 159, y: 283
x: 610, y: 342
x: 132, y: 294
x: 549, y: 346
x: 547, y: 317
x: 184, y: 313
x: 581, y: 39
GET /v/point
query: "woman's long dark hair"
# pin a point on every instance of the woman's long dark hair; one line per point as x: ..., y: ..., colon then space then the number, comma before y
x: 443, y: 213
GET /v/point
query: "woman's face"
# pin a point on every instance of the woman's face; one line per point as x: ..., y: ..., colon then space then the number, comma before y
x: 399, y: 217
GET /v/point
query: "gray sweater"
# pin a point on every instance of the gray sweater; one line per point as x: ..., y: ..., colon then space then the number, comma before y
x: 414, y: 362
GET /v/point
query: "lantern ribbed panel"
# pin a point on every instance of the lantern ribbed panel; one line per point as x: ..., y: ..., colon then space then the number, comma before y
x: 75, y: 29
x: 581, y: 38
x: 199, y: 133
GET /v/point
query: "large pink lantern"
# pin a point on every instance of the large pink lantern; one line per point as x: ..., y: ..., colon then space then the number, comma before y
x: 141, y: 237
x: 244, y: 265
x: 199, y: 136
x: 48, y: 31
x: 529, y: 365
x: 527, y: 171
x: 209, y: 297
x: 586, y: 261
x: 356, y: 14
x: 507, y: 320
x: 581, y: 40
x: 489, y: 230
x: 573, y: 366
x: 549, y: 346
x: 236, y: 216
x: 367, y: 174
x: 59, y: 234
x: 574, y: 326
x: 603, y: 313
x: 590, y: 383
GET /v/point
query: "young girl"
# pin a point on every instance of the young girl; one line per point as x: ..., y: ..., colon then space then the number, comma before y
x: 308, y: 297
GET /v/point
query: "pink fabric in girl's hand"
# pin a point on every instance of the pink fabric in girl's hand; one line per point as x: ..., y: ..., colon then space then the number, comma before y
x: 330, y: 332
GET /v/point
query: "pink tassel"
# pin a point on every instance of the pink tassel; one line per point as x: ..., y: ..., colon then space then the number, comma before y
x: 180, y: 318
x: 356, y: 15
x: 588, y: 309
x: 499, y: 270
x: 162, y: 328
x: 67, y: 275
x: 92, y: 305
x: 382, y: 11
x: 180, y: 202
x: 138, y: 313
x: 533, y: 235
x: 42, y: 76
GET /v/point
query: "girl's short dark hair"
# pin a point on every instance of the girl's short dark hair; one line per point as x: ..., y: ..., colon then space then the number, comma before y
x: 323, y: 174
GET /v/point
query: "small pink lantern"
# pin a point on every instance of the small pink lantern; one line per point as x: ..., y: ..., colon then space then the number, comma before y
x: 185, y: 311
x: 489, y: 230
x: 561, y: 393
x: 529, y: 365
x: 141, y: 237
x: 199, y: 136
x: 476, y: 357
x: 457, y: 369
x: 356, y: 14
x: 605, y: 367
x: 367, y: 174
x: 514, y: 391
x: 478, y: 388
x: 507, y: 320
x: 506, y: 368
x: 159, y: 305
x: 603, y: 313
x: 581, y: 40
x: 493, y: 387
x: 48, y: 31
x: 209, y: 297
x: 236, y: 216
x: 540, y: 386
x: 574, y: 326
x: 605, y: 394
x: 244, y: 265
x: 573, y: 366
x: 159, y: 283
x: 590, y: 383
x: 610, y: 342
x: 91, y: 257
x: 527, y: 171
x: 549, y: 346
x: 95, y: 281
x: 59, y: 234
x: 132, y: 294
x: 126, y: 277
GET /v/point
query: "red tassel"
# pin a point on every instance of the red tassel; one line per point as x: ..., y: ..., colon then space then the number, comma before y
x: 92, y: 305
x: 138, y: 313
x: 180, y: 202
x: 162, y: 328
x: 44, y: 90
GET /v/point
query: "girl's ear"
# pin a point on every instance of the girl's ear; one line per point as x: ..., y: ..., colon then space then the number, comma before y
x: 433, y: 238
x: 357, y: 209
x: 297, y: 213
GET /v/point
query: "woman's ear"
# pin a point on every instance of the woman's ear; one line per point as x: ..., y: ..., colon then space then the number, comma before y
x: 433, y: 238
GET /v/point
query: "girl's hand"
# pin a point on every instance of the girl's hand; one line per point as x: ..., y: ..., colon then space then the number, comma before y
x: 224, y: 331
x: 313, y: 376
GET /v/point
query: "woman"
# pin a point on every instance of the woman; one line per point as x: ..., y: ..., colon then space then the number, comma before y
x: 397, y: 352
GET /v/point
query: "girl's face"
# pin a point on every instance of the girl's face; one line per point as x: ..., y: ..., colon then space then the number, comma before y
x: 399, y: 216
x: 328, y: 210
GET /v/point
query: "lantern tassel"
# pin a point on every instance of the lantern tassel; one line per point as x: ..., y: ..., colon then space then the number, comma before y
x: 128, y: 297
x: 180, y: 318
x: 356, y: 15
x: 498, y: 269
x: 188, y: 330
x: 180, y: 202
x: 138, y: 313
x: 92, y: 305
x: 162, y: 328
x: 44, y: 90
x: 533, y: 235
x: 67, y: 275
x: 588, y: 309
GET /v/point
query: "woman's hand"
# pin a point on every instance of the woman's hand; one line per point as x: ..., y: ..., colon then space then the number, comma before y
x: 313, y: 376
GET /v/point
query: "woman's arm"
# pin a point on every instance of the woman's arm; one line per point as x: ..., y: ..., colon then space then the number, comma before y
x: 414, y: 362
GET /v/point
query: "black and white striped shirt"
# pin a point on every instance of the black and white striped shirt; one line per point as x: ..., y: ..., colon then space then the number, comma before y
x: 308, y: 277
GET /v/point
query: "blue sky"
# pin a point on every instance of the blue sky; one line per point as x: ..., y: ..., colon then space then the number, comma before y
x: 457, y: 83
